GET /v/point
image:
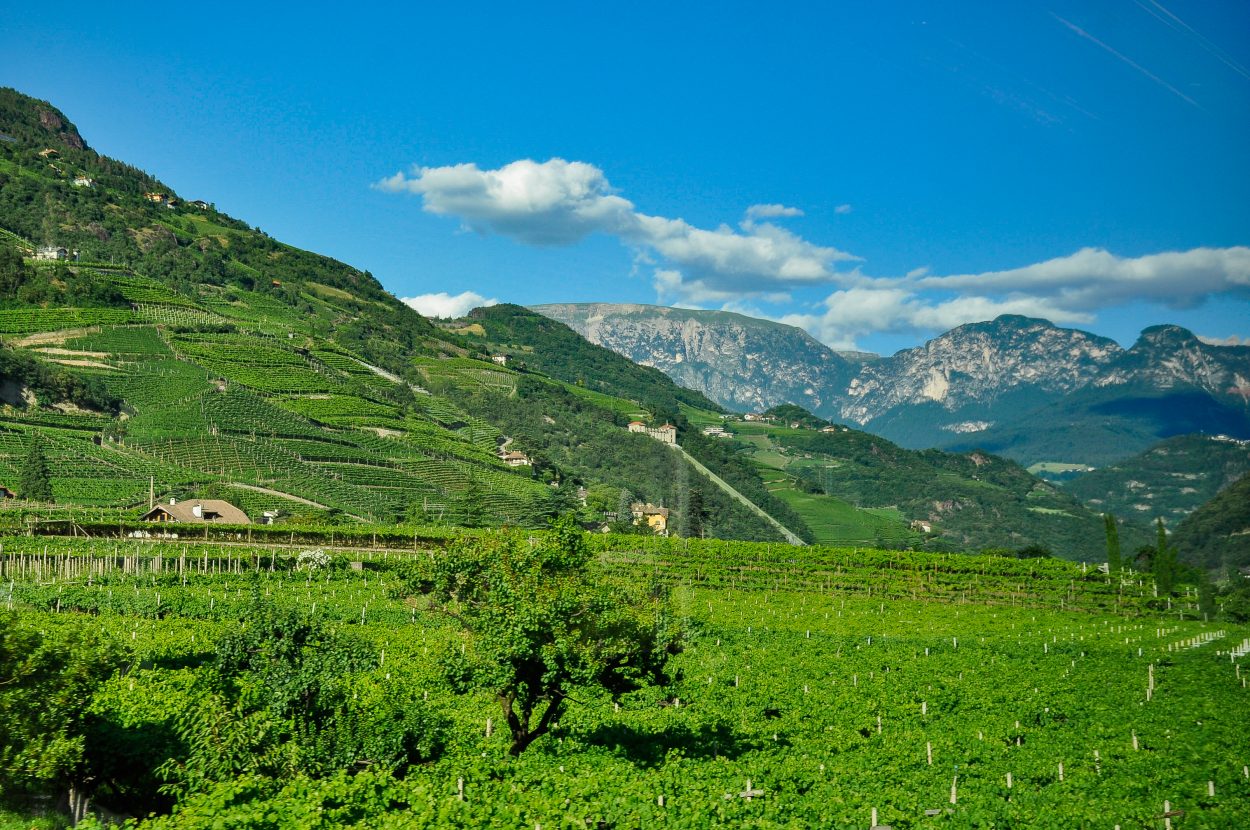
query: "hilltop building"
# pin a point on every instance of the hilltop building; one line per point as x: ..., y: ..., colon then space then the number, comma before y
x: 197, y: 511
x: 199, y: 203
x: 666, y: 434
x: 516, y: 459
x: 653, y: 517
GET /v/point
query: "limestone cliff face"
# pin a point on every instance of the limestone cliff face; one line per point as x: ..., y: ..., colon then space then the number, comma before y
x: 740, y: 362
x: 975, y: 365
x: 957, y: 388
x: 1169, y: 357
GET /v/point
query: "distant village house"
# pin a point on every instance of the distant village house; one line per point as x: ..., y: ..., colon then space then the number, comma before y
x: 717, y: 432
x: 51, y: 252
x: 921, y: 526
x: 156, y: 198
x: 501, y: 359
x: 666, y: 434
x: 516, y: 459
x: 199, y: 203
x: 197, y: 511
x: 653, y: 517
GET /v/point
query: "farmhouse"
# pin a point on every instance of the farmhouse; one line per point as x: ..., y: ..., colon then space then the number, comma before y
x: 501, y: 359
x: 199, y: 203
x: 51, y: 252
x: 717, y: 432
x: 197, y: 511
x: 921, y: 526
x: 155, y: 197
x: 516, y: 459
x: 653, y: 517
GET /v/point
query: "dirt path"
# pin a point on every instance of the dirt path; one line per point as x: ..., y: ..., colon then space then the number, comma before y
x: 789, y: 535
x: 255, y: 489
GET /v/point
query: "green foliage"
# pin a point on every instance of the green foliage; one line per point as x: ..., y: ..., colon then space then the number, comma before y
x: 540, y: 627
x: 47, y: 679
x: 288, y: 697
x: 54, y: 384
x: 1114, y: 560
x: 34, y: 483
x: 788, y: 413
x: 1164, y: 565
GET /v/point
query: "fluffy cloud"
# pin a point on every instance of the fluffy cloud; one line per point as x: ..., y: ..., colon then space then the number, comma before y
x: 1066, y: 290
x: 557, y: 202
x: 560, y: 202
x: 443, y: 304
x: 1094, y: 278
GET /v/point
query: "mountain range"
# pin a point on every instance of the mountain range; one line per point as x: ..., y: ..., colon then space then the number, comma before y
x: 1018, y: 386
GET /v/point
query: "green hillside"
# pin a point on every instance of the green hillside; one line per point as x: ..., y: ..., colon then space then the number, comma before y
x: 1217, y: 534
x: 853, y: 486
x: 1171, y: 479
x: 176, y: 351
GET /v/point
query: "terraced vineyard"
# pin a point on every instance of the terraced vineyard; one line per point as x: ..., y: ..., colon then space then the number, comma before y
x: 817, y: 687
x: 212, y: 398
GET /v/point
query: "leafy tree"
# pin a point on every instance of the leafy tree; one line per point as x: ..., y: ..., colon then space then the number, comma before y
x: 34, y: 482
x: 47, y: 680
x: 540, y: 624
x: 1114, y: 562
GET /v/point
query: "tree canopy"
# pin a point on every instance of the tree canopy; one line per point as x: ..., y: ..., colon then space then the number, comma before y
x: 539, y: 624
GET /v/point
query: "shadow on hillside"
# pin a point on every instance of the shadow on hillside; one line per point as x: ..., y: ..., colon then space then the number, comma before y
x: 647, y: 748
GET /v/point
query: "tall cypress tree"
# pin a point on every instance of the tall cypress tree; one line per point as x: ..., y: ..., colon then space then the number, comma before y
x: 1114, y: 561
x: 34, y: 483
x: 1164, y: 564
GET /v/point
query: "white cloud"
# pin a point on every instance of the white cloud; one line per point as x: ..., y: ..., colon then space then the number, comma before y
x: 1094, y: 278
x: 856, y: 312
x: 1065, y: 290
x: 771, y: 211
x: 556, y: 202
x: 559, y: 202
x: 1231, y: 340
x: 447, y: 305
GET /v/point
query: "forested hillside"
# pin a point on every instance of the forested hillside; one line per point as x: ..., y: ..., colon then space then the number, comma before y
x: 1217, y: 534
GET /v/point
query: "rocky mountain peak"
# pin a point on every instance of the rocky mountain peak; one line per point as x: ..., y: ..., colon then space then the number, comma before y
x: 978, y: 363
x: 1167, y: 337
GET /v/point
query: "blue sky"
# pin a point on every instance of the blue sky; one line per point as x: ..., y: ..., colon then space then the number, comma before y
x: 911, y: 165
